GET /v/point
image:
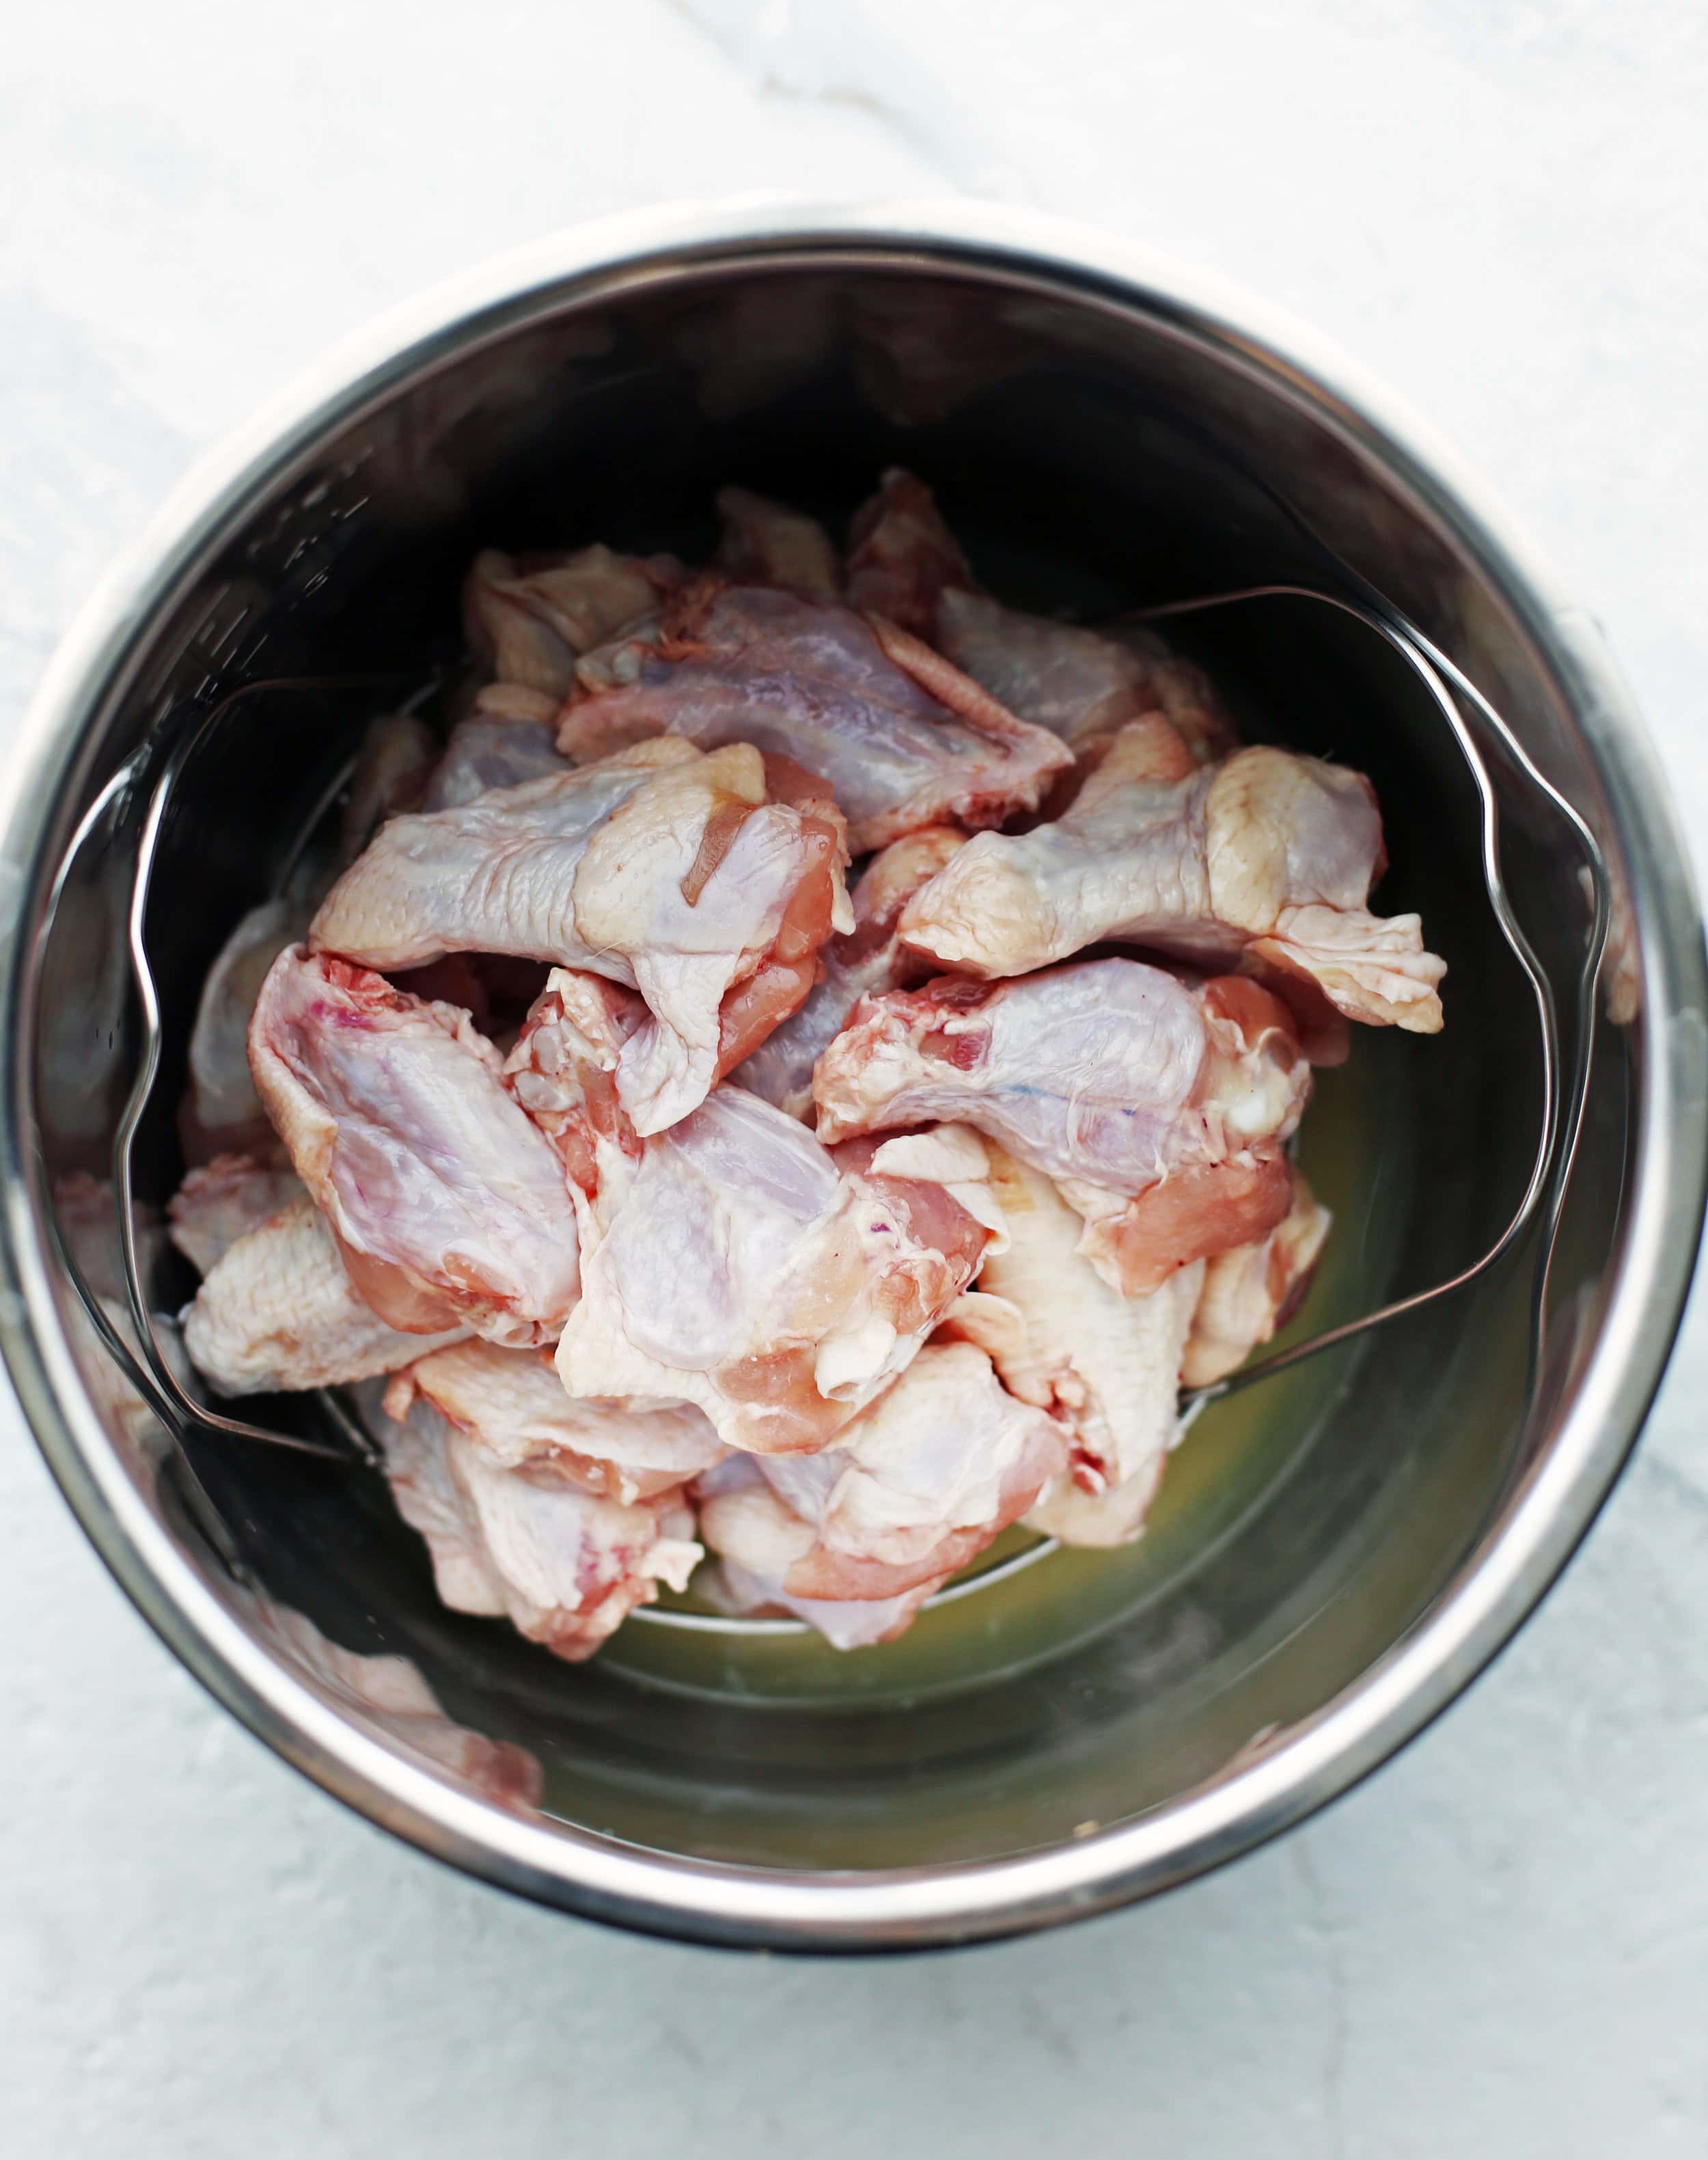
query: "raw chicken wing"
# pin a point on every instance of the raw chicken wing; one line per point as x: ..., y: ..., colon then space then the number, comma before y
x: 223, y: 1200
x: 563, y: 1068
x: 490, y: 751
x: 758, y: 1540
x: 564, y: 1568
x: 1252, y: 1291
x: 911, y: 1493
x: 1105, y: 1367
x: 700, y: 881
x: 867, y: 958
x: 1081, y: 684
x: 765, y: 543
x: 1264, y: 862
x: 511, y: 1404
x: 921, y: 1482
x: 903, y: 739
x: 742, y: 1267
x: 564, y: 1072
x: 902, y: 556
x: 1158, y: 1107
x: 448, y: 1205
x: 279, y: 1312
x: 531, y: 619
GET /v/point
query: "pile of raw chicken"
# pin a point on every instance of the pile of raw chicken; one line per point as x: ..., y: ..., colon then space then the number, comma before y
x: 670, y: 1194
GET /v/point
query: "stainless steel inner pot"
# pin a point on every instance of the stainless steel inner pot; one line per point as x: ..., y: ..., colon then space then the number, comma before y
x: 1335, y: 1552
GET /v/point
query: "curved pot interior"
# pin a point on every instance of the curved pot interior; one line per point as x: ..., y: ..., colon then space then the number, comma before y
x: 1094, y: 455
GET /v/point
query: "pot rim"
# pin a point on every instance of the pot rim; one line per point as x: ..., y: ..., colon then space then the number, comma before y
x: 1537, y: 1528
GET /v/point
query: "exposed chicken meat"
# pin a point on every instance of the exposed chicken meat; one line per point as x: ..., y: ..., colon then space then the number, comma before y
x: 449, y: 1204
x: 563, y: 1068
x: 279, y: 1312
x: 222, y: 1114
x: 531, y: 618
x: 903, y: 739
x: 1106, y: 1367
x: 1158, y: 1107
x: 389, y: 1695
x: 564, y: 1567
x: 691, y: 878
x: 511, y: 1404
x: 765, y: 543
x: 759, y: 1541
x: 564, y: 1072
x: 867, y: 958
x: 223, y: 1200
x: 902, y: 556
x: 741, y: 1267
x: 397, y: 755
x: 1264, y: 862
x: 490, y: 751
x: 1254, y: 1290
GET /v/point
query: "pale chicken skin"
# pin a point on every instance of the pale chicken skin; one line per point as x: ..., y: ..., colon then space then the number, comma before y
x: 742, y: 1267
x: 447, y: 1203
x: 903, y: 739
x: 531, y: 619
x: 278, y: 1312
x: 870, y: 958
x: 913, y: 1491
x: 1080, y: 683
x: 919, y: 1483
x: 698, y: 880
x: 564, y: 1567
x: 223, y: 1200
x: 765, y: 544
x: 1105, y: 1367
x: 1251, y: 1292
x: 490, y: 751
x: 1263, y: 863
x: 758, y: 1540
x: 1160, y: 1108
x: 511, y: 1404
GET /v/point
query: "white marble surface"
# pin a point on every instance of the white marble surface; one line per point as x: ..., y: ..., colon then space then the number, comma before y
x: 1499, y: 1945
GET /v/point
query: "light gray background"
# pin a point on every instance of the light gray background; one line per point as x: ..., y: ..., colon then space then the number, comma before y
x: 1497, y: 1946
